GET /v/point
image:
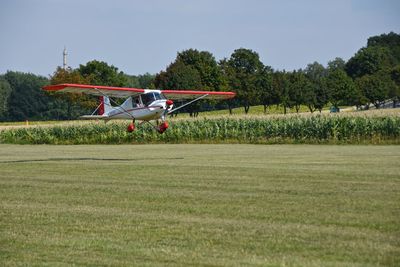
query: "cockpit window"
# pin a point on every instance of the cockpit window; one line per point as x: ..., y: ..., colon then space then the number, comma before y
x: 148, y: 98
x: 158, y: 96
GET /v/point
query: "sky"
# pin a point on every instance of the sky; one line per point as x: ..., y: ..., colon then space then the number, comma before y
x: 145, y: 36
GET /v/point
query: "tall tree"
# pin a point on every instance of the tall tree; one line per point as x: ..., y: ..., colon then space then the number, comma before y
x: 281, y: 83
x: 337, y: 63
x: 226, y: 84
x: 372, y: 68
x: 295, y: 90
x: 100, y: 73
x: 245, y: 68
x: 132, y: 81
x: 395, y: 92
x: 71, y: 105
x: 268, y: 94
x: 381, y: 53
x: 5, y: 91
x: 205, y: 64
x: 390, y: 41
x: 318, y: 96
x: 368, y: 61
x: 192, y: 69
x: 180, y: 76
x: 146, y: 80
x: 27, y: 100
x: 341, y: 87
x: 376, y: 87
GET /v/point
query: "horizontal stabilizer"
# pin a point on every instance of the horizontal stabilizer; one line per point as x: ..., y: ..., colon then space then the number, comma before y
x: 94, y: 117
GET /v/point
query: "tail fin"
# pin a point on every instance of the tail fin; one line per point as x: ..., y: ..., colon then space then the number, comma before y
x: 105, y: 105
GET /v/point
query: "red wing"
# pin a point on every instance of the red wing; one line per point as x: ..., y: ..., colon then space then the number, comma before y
x: 183, y: 94
x: 124, y: 92
x: 98, y: 90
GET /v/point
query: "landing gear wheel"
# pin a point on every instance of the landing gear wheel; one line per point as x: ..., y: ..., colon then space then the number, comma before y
x: 131, y: 126
x: 162, y: 127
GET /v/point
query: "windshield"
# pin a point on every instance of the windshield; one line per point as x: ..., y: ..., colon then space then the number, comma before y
x: 148, y: 98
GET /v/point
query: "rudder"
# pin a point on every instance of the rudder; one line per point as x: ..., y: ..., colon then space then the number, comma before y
x: 105, y: 105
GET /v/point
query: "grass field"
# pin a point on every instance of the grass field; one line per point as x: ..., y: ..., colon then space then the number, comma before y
x: 208, y: 205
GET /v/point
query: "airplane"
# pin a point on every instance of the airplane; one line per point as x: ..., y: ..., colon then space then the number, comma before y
x: 140, y: 104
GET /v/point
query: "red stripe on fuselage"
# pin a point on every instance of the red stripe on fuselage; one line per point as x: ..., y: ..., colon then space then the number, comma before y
x: 129, y: 110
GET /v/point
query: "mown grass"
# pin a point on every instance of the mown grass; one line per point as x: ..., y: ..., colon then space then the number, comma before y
x: 346, y: 128
x: 180, y: 205
x: 255, y: 110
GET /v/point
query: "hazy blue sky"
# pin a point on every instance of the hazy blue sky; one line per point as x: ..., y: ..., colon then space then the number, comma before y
x: 144, y: 36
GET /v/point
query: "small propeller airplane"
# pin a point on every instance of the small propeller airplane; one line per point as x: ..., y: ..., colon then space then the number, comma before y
x: 140, y: 104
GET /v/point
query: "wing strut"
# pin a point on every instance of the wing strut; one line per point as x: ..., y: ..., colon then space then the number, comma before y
x: 96, y: 109
x: 188, y: 103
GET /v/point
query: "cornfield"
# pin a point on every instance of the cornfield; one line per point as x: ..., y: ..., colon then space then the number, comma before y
x: 331, y: 129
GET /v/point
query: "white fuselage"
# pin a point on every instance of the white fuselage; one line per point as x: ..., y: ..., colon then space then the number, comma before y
x: 154, y: 111
x: 149, y: 106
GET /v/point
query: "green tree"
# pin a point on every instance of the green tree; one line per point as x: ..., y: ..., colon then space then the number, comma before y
x: 192, y: 69
x: 180, y: 77
x: 205, y: 64
x: 281, y: 84
x: 296, y: 86
x: 381, y: 53
x: 209, y: 71
x: 132, y: 81
x: 395, y: 92
x: 226, y: 84
x: 5, y: 91
x: 341, y: 87
x: 337, y: 63
x: 369, y: 60
x: 245, y: 69
x: 71, y: 105
x: 146, y: 81
x: 27, y: 100
x: 100, y: 73
x: 390, y: 41
x: 376, y: 87
x: 268, y: 94
x: 318, y: 95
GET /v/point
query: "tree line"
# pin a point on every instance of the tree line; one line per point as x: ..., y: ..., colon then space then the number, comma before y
x: 370, y: 77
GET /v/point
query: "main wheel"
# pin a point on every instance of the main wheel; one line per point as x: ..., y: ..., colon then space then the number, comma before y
x: 131, y: 127
x: 163, y: 127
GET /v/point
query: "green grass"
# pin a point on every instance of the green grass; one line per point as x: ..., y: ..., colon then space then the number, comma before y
x: 32, y: 123
x: 225, y: 205
x: 254, y: 110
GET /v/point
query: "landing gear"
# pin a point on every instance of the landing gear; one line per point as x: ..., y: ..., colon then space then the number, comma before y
x: 161, y: 128
x: 131, y: 126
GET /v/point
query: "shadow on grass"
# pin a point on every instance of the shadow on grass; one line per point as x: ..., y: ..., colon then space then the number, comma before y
x: 83, y: 159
